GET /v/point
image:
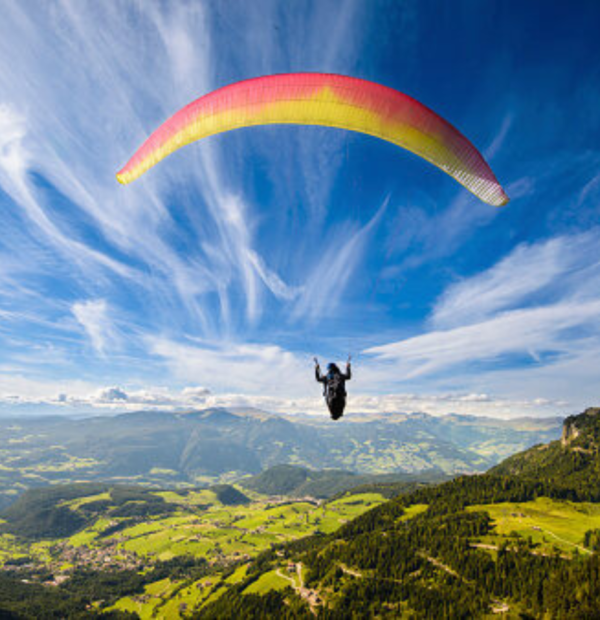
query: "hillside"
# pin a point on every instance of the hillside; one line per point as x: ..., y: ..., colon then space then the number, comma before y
x: 297, y: 481
x: 478, y: 545
x: 571, y: 463
x: 63, y: 510
x: 216, y: 445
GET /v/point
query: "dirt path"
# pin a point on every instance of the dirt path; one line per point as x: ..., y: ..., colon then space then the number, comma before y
x: 312, y: 597
x: 441, y: 565
x: 350, y: 571
x: 299, y: 572
x: 484, y: 546
x: 499, y: 607
x: 280, y: 574
x: 567, y: 542
x: 354, y: 573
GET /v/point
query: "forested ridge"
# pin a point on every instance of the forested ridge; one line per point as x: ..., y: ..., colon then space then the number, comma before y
x: 381, y: 565
x: 297, y: 481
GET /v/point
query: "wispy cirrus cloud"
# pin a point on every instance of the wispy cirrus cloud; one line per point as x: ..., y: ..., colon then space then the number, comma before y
x: 235, y: 367
x: 94, y: 317
x: 556, y: 268
x: 179, y: 251
x: 531, y: 315
x: 168, y: 58
x: 333, y: 272
x: 16, y: 164
x: 13, y: 156
x: 535, y: 333
x: 217, y: 262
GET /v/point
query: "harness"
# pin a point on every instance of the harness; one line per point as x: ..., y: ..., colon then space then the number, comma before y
x: 335, y: 386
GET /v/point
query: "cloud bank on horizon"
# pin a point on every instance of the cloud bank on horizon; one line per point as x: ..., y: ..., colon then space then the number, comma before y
x: 239, y: 258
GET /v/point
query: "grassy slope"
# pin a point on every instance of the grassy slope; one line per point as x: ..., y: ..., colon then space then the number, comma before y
x: 203, y: 526
x: 267, y: 582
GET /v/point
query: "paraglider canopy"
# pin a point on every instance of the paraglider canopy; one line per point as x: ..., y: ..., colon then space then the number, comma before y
x: 329, y: 100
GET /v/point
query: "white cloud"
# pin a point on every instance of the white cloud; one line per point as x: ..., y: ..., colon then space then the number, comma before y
x: 271, y: 280
x: 13, y: 156
x: 590, y: 191
x: 17, y: 160
x: 497, y: 143
x: 516, y: 279
x: 93, y: 315
x: 132, y: 399
x: 333, y: 272
x: 196, y: 393
x: 168, y: 59
x: 459, y: 403
x: 528, y: 324
x: 530, y: 332
x: 79, y: 397
x: 183, y: 243
x: 14, y: 384
x: 241, y: 368
x: 430, y: 237
x: 116, y: 398
x: 113, y: 394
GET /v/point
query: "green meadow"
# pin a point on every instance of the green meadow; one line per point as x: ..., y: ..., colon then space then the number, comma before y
x: 413, y: 511
x: 549, y: 523
x: 269, y: 581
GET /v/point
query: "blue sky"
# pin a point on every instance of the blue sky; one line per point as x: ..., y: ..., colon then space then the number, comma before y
x: 215, y: 278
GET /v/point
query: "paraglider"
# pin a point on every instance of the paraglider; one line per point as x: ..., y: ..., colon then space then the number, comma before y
x: 329, y: 100
x: 333, y: 101
x: 334, y: 387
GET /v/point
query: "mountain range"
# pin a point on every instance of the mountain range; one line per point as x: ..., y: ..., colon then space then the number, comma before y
x: 217, y: 445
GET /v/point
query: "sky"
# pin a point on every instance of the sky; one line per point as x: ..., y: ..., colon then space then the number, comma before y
x: 215, y: 278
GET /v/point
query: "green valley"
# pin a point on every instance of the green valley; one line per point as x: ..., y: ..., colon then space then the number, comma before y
x: 187, y: 547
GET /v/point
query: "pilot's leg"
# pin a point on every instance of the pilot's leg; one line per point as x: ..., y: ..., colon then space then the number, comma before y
x: 336, y: 408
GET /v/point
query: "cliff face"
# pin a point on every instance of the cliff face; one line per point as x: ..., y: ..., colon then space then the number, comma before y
x: 574, y: 425
x: 569, y: 431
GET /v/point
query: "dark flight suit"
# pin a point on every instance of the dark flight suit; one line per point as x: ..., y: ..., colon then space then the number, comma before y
x: 334, y: 389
